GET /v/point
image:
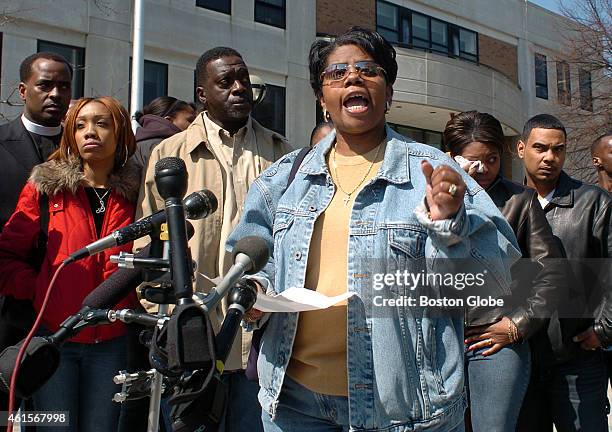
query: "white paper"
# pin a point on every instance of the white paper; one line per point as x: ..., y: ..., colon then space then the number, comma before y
x: 297, y: 300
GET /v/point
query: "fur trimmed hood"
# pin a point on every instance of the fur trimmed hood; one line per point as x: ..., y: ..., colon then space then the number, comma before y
x: 54, y: 176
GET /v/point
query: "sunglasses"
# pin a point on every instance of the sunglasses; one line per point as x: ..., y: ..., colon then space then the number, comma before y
x: 339, y: 71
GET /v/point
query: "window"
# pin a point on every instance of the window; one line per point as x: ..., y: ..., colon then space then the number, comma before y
x: 424, y: 136
x: 270, y: 112
x: 439, y: 36
x: 541, y: 76
x: 386, y: 21
x: 586, y: 95
x: 270, y: 12
x: 76, y: 57
x: 468, y: 44
x: 420, y: 30
x: 155, y: 82
x: 416, y: 30
x: 563, y: 83
x: 223, y: 6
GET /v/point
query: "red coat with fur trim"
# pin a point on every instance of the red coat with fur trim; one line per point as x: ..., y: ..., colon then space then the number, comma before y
x: 71, y: 227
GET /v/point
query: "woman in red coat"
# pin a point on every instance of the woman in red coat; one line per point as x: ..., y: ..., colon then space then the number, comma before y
x: 91, y: 187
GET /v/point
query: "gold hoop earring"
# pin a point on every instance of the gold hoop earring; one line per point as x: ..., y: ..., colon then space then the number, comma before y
x: 326, y: 115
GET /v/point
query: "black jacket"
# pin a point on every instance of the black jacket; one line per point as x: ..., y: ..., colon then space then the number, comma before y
x: 538, y: 277
x: 580, y: 216
x: 18, y: 155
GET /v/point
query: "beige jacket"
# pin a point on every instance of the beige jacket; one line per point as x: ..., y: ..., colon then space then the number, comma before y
x: 205, y: 171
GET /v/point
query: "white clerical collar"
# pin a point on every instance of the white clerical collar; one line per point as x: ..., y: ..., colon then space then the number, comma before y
x: 544, y: 200
x: 37, y: 129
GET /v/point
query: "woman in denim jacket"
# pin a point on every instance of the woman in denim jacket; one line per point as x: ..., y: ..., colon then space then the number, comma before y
x: 365, y: 203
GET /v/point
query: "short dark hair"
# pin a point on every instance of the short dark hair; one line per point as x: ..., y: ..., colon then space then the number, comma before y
x: 164, y: 106
x: 25, y: 69
x: 212, y: 55
x: 318, y: 127
x: 369, y: 41
x: 542, y: 121
x: 467, y: 127
x: 599, y: 141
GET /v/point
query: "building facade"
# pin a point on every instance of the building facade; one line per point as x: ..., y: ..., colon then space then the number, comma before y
x: 453, y: 55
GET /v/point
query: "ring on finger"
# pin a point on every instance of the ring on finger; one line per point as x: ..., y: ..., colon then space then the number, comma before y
x: 452, y: 189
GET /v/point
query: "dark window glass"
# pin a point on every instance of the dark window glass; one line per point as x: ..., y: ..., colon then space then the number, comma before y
x: 468, y: 44
x: 155, y: 82
x: 224, y: 6
x: 401, y: 25
x: 420, y: 30
x: 454, y: 38
x: 586, y: 95
x: 270, y: 112
x: 439, y: 35
x: 406, y: 30
x: 76, y: 57
x: 563, y: 83
x: 433, y: 139
x: 424, y: 136
x: 271, y: 12
x: 541, y: 76
x: 386, y: 21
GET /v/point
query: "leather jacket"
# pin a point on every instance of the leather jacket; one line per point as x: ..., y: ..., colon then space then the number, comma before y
x: 539, y: 276
x: 579, y: 215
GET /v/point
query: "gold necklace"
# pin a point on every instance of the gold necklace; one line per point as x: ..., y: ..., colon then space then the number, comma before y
x: 347, y: 199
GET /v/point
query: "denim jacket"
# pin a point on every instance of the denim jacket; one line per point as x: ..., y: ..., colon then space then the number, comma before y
x: 405, y: 367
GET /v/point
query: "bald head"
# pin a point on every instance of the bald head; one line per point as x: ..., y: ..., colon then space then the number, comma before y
x: 601, y: 151
x: 601, y: 144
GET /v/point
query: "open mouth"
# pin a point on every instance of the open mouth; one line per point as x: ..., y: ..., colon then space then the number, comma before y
x: 356, y: 103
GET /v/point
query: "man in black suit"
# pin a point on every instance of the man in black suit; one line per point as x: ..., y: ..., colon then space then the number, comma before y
x: 45, y: 90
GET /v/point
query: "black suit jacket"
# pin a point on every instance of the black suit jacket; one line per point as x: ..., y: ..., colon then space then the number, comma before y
x: 18, y: 155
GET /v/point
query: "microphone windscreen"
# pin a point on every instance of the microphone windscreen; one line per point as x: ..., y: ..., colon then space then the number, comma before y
x: 256, y: 249
x: 39, y: 363
x: 117, y: 286
x: 170, y: 163
x: 200, y: 204
x: 171, y: 177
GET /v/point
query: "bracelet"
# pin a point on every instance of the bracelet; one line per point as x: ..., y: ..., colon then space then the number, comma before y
x: 513, y: 333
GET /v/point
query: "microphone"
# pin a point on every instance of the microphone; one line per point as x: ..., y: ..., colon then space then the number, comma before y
x: 241, y: 298
x: 250, y: 255
x: 171, y: 182
x: 122, y: 282
x: 198, y: 205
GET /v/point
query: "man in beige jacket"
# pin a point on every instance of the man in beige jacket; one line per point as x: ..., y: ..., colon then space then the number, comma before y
x: 224, y: 149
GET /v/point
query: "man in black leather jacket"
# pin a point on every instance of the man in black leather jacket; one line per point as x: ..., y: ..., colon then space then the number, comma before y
x: 569, y: 379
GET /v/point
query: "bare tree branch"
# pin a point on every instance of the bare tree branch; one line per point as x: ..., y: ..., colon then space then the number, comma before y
x: 587, y: 36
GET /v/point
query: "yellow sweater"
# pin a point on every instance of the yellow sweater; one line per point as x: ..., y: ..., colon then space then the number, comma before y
x: 318, y: 361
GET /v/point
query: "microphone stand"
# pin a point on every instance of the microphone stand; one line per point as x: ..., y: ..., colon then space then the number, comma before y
x: 157, y: 379
x: 160, y: 248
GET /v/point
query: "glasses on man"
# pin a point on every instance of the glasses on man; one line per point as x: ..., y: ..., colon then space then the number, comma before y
x: 339, y: 71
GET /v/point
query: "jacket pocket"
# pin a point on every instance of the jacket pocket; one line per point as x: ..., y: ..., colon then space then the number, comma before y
x: 406, y: 255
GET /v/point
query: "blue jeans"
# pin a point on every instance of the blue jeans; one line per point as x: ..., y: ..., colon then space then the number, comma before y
x: 83, y: 385
x: 243, y: 412
x: 571, y: 395
x: 497, y: 385
x: 300, y: 409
